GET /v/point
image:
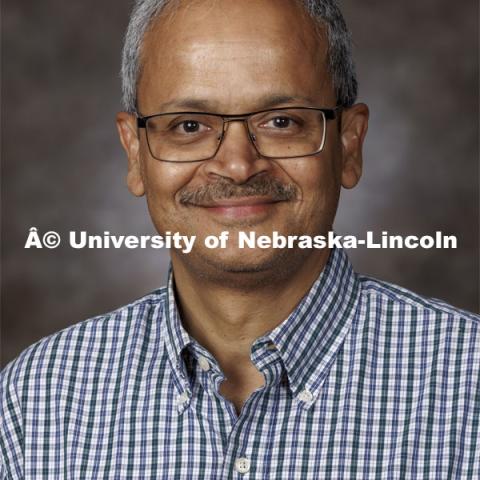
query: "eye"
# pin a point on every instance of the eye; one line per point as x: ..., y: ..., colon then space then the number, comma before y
x: 189, y: 127
x: 282, y: 122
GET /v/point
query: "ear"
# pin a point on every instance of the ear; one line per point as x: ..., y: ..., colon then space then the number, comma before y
x: 128, y: 132
x: 353, y: 131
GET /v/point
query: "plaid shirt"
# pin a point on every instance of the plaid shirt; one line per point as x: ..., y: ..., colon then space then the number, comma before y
x: 363, y: 380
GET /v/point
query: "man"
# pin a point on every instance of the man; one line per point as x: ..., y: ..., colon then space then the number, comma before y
x: 251, y: 363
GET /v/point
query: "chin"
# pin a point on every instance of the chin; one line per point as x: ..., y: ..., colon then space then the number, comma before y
x: 246, y: 269
x: 241, y: 267
x: 241, y: 261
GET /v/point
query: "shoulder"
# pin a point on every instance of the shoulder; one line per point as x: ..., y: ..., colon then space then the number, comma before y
x: 374, y: 289
x: 58, y: 373
x: 427, y: 319
x: 102, y: 338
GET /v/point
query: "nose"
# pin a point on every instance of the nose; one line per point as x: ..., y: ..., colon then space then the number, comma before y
x: 237, y: 158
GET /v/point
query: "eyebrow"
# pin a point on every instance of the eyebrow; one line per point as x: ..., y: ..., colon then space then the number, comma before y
x: 199, y: 104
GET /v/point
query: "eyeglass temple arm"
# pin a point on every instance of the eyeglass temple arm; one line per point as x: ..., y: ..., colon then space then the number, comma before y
x: 331, y: 114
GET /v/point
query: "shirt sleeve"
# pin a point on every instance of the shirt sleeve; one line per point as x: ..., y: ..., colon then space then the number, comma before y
x: 11, y: 433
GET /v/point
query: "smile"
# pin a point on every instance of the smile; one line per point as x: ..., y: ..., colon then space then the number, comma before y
x: 240, y: 207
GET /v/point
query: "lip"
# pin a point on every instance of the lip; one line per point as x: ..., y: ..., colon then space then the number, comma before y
x: 240, y: 202
x: 241, y: 207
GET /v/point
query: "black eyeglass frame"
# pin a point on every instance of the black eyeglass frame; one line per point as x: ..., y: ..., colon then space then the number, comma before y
x: 328, y: 113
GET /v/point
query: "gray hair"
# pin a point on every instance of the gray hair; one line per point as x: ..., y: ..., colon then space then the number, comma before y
x: 323, y: 12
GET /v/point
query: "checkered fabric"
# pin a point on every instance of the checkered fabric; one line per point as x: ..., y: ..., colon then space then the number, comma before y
x: 364, y: 380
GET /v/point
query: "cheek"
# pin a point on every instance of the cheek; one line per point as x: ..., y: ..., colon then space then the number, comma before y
x: 163, y: 181
x: 319, y: 187
x: 313, y: 175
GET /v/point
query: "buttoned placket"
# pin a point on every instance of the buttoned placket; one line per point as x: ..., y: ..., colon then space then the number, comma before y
x: 240, y: 459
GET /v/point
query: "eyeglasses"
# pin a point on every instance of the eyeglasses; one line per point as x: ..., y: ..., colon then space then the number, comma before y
x: 197, y: 136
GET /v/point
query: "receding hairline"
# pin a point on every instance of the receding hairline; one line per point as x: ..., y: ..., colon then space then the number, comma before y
x: 167, y: 13
x: 326, y: 16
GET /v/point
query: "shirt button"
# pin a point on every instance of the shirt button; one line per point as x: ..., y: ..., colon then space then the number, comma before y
x: 182, y: 398
x: 204, y: 364
x: 305, y: 396
x: 242, y: 465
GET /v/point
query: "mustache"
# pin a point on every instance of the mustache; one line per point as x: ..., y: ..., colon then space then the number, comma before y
x: 223, y: 189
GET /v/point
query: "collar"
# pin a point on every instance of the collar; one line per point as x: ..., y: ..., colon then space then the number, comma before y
x: 176, y: 339
x: 306, y: 343
x: 310, y: 338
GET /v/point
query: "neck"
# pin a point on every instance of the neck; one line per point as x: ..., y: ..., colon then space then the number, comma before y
x: 226, y: 319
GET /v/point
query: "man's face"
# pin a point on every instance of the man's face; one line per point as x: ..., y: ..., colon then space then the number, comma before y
x: 234, y: 57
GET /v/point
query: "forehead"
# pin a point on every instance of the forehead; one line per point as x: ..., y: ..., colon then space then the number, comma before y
x: 230, y: 52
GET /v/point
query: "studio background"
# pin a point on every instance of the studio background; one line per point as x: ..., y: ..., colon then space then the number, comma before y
x: 63, y: 168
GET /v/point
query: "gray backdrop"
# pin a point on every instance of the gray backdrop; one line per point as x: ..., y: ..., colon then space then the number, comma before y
x: 63, y: 169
